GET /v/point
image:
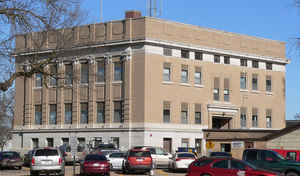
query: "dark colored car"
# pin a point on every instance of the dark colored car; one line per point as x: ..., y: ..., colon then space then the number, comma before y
x: 270, y: 160
x: 28, y: 158
x: 137, y: 160
x: 10, y: 159
x: 95, y: 164
x: 226, y: 166
x: 220, y: 154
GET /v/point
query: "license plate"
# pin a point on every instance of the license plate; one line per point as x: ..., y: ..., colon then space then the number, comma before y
x: 139, y: 160
x: 46, y: 162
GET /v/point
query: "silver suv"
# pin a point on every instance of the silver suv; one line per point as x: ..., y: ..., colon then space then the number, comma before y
x: 47, y: 160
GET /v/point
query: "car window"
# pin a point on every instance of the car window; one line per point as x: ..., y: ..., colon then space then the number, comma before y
x: 291, y: 155
x: 95, y: 158
x: 185, y: 155
x: 237, y: 165
x: 139, y: 153
x: 116, y: 155
x: 268, y: 156
x: 152, y: 150
x: 46, y: 152
x: 10, y: 155
x: 200, y: 163
x: 221, y: 164
x: 251, y: 155
x: 160, y: 151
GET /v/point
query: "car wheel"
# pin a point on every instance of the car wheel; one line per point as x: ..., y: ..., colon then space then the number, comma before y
x: 19, y: 167
x: 291, y: 174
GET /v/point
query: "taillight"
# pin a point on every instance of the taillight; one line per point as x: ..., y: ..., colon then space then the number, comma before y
x: 59, y: 161
x: 32, y: 161
x: 178, y: 159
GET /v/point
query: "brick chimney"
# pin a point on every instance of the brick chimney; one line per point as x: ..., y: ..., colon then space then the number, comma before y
x: 132, y: 14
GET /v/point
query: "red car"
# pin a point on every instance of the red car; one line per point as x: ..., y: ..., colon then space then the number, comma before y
x: 137, y: 160
x: 225, y: 167
x: 95, y: 164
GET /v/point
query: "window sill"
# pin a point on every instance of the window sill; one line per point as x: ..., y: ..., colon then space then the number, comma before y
x: 185, y: 84
x: 68, y: 85
x: 117, y: 82
x: 255, y: 91
x: 269, y: 93
x: 84, y: 85
x: 167, y: 82
x: 37, y: 88
x: 199, y: 85
x: 99, y: 83
x: 244, y: 90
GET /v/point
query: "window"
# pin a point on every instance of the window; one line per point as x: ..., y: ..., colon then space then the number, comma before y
x: 198, y: 56
x: 81, y: 144
x: 269, y: 66
x: 53, y: 115
x: 84, y: 79
x: 100, y: 71
x: 38, y: 114
x: 35, y: 143
x: 185, y: 54
x: 237, y: 165
x: 226, y: 147
x: 167, y: 51
x: 226, y: 90
x: 226, y: 60
x: 184, y: 74
x: 198, y: 114
x: 243, y: 117
x: 269, y: 118
x: 291, y: 156
x: 167, y: 72
x: 53, y: 75
x: 243, y: 81
x: 254, y: 82
x: 65, y: 141
x: 197, y: 75
x: 100, y: 112
x: 84, y: 113
x: 216, y: 92
x: 184, y: 113
x: 254, y: 117
x: 244, y: 62
x: 68, y: 113
x: 118, y: 116
x: 38, y: 80
x: 223, y: 164
x: 118, y: 71
x: 68, y: 74
x: 254, y: 64
x: 50, y: 142
x: 269, y: 84
x: 116, y: 141
x: 166, y: 112
x: 216, y: 59
x: 185, y: 142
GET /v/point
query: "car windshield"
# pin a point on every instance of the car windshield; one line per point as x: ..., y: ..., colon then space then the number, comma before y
x: 116, y: 155
x: 95, y: 158
x: 10, y: 155
x: 46, y: 152
x: 278, y: 156
x: 139, y: 153
x: 185, y: 155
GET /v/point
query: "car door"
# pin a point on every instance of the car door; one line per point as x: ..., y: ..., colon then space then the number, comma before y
x: 238, y: 168
x: 221, y: 168
x: 116, y: 159
x: 270, y: 161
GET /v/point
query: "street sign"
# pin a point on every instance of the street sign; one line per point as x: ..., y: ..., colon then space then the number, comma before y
x: 210, y: 145
x: 73, y: 144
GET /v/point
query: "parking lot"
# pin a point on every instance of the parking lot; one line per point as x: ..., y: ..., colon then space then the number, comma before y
x: 69, y: 172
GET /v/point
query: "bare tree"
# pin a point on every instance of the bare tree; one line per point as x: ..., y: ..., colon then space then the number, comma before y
x: 36, y: 19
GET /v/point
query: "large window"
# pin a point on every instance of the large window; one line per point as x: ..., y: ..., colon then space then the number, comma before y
x: 35, y: 143
x: 197, y: 76
x: 216, y: 59
x: 269, y: 66
x: 38, y: 114
x: 226, y: 60
x: 53, y: 115
x: 254, y: 64
x: 167, y: 72
x: 68, y: 113
x: 118, y: 71
x: 269, y: 84
x: 167, y: 52
x: 244, y: 62
x: 166, y: 112
x: 243, y: 119
x: 53, y: 75
x: 50, y: 142
x: 84, y: 79
x: 185, y: 54
x: 118, y: 116
x: 38, y: 80
x: 198, y: 56
x: 100, y: 71
x: 84, y: 113
x: 254, y: 117
x: 100, y: 112
x: 243, y: 81
x: 184, y: 113
x: 254, y: 82
x: 216, y: 92
x: 184, y: 74
x: 269, y: 118
x: 198, y: 114
x: 68, y: 74
x: 226, y: 90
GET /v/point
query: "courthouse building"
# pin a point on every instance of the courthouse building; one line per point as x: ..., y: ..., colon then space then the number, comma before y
x: 149, y: 81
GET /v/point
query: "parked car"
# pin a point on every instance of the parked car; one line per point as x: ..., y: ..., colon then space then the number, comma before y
x: 105, y: 149
x: 95, y: 164
x: 225, y: 166
x: 137, y: 160
x: 116, y: 160
x: 47, y: 160
x: 81, y: 152
x: 28, y: 157
x: 220, y: 154
x: 181, y: 160
x: 289, y: 154
x: 160, y: 157
x: 10, y: 159
x: 270, y: 160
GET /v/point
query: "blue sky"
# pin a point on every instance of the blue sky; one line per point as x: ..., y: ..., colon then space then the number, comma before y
x: 272, y: 19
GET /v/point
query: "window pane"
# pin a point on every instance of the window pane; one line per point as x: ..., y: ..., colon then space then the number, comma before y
x: 216, y: 94
x: 185, y: 54
x: 255, y: 64
x: 100, y: 71
x: 167, y: 51
x: 53, y: 118
x: 243, y: 82
x: 226, y: 95
x: 38, y: 80
x: 197, y: 77
x: 269, y: 122
x: 268, y: 85
x: 118, y: 71
x: 167, y: 74
x: 84, y: 113
x: 184, y: 117
x: 226, y: 60
x: 254, y: 121
x: 197, y: 117
x: 68, y: 113
x: 38, y: 114
x: 254, y: 84
x: 100, y: 112
x: 68, y: 74
x: 216, y: 58
x: 166, y: 116
x: 84, y: 73
x: 198, y: 56
x: 184, y: 76
x: 243, y: 120
x: 118, y: 118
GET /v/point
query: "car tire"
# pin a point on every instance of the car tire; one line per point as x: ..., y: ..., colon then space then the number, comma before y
x: 33, y: 173
x: 292, y: 174
x: 19, y: 167
x: 205, y: 175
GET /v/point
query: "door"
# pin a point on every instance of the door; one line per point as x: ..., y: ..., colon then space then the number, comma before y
x: 167, y: 145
